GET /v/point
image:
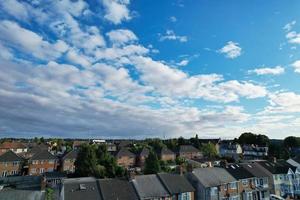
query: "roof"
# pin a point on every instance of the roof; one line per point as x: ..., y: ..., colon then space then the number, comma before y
x: 229, y: 146
x: 276, y: 168
x: 238, y: 172
x: 149, y: 186
x: 188, y: 148
x: 175, y: 183
x: 145, y: 152
x: 166, y: 151
x: 81, y: 188
x: 12, y: 145
x: 213, y: 176
x: 297, y: 159
x: 71, y: 155
x: 254, y: 169
x: 43, y: 155
x: 10, y: 156
x: 13, y: 194
x: 38, y: 148
x: 124, y: 152
x: 117, y: 189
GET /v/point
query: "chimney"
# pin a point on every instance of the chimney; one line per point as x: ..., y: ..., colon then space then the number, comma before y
x: 274, y: 159
x: 209, y: 164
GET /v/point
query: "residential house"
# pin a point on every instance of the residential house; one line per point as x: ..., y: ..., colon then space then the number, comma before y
x: 177, y: 185
x: 149, y: 187
x: 252, y: 152
x: 125, y: 158
x: 68, y: 161
x: 111, y: 147
x: 78, y: 143
x: 141, y: 158
x: 189, y: 152
x: 16, y: 147
x: 117, y: 189
x: 42, y: 162
x: 246, y: 180
x: 295, y: 161
x: 213, y: 183
x: 80, y: 188
x: 10, y: 164
x: 231, y: 150
x: 262, y: 183
x: 36, y: 149
x: 282, y: 177
x: 166, y: 154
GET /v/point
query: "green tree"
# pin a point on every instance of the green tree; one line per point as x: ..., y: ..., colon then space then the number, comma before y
x: 209, y: 150
x: 86, y: 163
x: 152, y: 165
x: 195, y: 141
x: 291, y: 142
x: 250, y: 138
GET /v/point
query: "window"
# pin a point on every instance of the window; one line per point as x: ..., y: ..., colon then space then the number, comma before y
x: 42, y: 162
x: 15, y: 163
x: 4, y: 173
x: 35, y: 162
x: 225, y: 187
x: 213, y: 191
x: 14, y: 172
x: 42, y: 170
x: 245, y: 182
x: 32, y: 170
x: 261, y: 181
x: 232, y: 185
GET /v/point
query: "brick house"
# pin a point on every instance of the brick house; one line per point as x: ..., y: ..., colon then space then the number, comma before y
x: 125, y: 158
x: 10, y: 164
x: 141, y: 158
x: 213, y: 184
x: 68, y: 161
x: 42, y: 162
x: 16, y: 147
x: 246, y: 186
x: 166, y: 154
x: 189, y: 152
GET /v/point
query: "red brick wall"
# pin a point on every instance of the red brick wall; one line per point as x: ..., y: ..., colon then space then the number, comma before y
x: 9, y: 168
x: 46, y: 165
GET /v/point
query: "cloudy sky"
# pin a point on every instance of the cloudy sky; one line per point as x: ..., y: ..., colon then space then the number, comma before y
x: 144, y: 68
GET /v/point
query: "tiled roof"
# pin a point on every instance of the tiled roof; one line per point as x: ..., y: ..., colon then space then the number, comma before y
x: 213, y: 176
x: 255, y: 169
x: 149, y: 186
x: 12, y: 145
x: 276, y: 168
x: 43, y: 155
x: 145, y: 152
x: 187, y: 148
x: 166, y: 151
x: 10, y: 156
x: 238, y: 172
x: 71, y: 155
x: 116, y: 189
x: 124, y: 152
x: 175, y: 183
x: 81, y: 189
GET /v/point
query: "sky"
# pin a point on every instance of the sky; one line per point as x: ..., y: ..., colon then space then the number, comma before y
x: 144, y: 68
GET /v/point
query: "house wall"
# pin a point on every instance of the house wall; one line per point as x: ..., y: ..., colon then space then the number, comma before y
x: 38, y: 167
x: 126, y: 161
x: 190, y: 155
x: 10, y: 168
x: 167, y: 157
x: 68, y: 165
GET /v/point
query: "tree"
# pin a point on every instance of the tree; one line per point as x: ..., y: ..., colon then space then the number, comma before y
x: 152, y: 165
x: 291, y: 142
x: 195, y: 141
x: 86, y: 163
x: 209, y: 150
x: 250, y: 138
x: 156, y: 144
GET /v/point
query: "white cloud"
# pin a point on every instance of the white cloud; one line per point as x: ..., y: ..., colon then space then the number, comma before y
x: 231, y: 50
x: 184, y: 62
x: 15, y: 8
x: 296, y: 66
x: 29, y: 42
x: 284, y: 102
x: 173, y: 19
x: 77, y: 58
x: 268, y: 70
x: 116, y: 10
x: 170, y: 35
x: 293, y: 37
x: 288, y: 27
x: 121, y: 36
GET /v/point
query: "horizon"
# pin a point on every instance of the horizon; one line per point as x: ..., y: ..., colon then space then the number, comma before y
x: 140, y: 69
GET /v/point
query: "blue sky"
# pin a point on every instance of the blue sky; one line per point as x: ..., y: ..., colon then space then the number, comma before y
x: 137, y: 69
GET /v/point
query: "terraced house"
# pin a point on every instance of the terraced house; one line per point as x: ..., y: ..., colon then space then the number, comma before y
x: 10, y: 164
x: 68, y: 161
x: 246, y: 185
x: 125, y: 158
x: 214, y: 184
